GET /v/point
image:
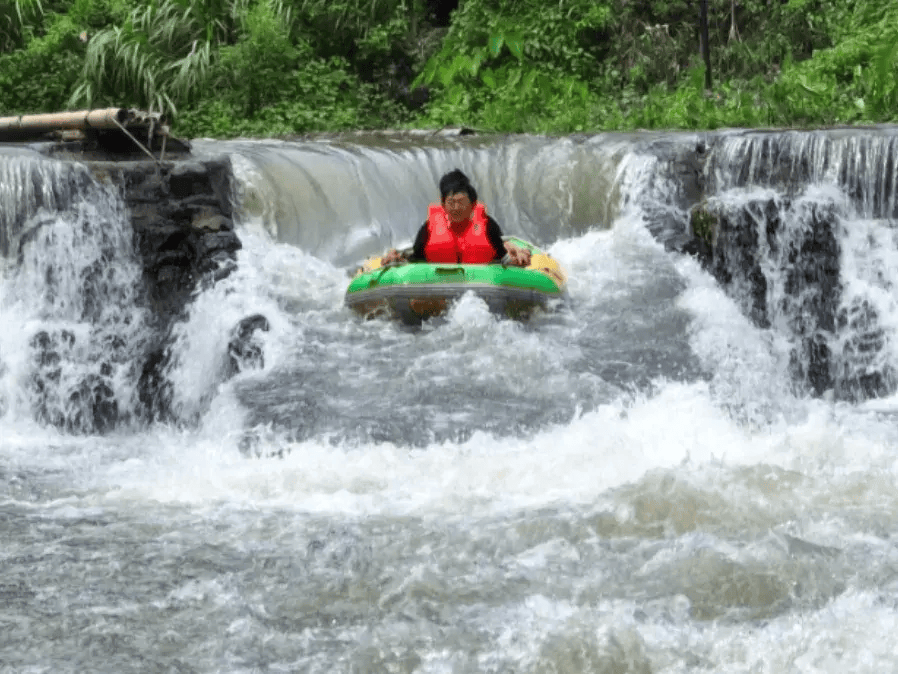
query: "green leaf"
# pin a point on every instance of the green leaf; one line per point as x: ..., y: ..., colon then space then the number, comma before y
x: 475, y: 62
x: 516, y: 45
x: 495, y: 44
x: 885, y: 60
x: 697, y: 78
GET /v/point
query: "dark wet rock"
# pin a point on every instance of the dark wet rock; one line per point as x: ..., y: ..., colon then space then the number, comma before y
x: 213, y: 242
x: 88, y: 405
x: 146, y: 185
x: 752, y: 244
x: 244, y: 347
x: 178, y: 238
x: 191, y: 211
x: 184, y: 235
x: 154, y: 389
x: 737, y: 259
x: 188, y: 179
x: 679, y: 182
x: 179, y: 256
x: 48, y: 346
x: 181, y: 215
x: 212, y: 222
x: 864, y: 371
x: 698, y: 248
x: 91, y: 406
x: 147, y: 225
x: 219, y: 265
x: 44, y: 383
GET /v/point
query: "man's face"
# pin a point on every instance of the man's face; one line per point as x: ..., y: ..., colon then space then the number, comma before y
x: 458, y: 207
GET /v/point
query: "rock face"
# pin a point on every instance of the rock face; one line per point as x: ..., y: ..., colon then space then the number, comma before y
x: 777, y: 244
x: 88, y: 406
x: 754, y: 242
x: 181, y: 218
x: 244, y: 350
x: 114, y: 368
x: 184, y: 236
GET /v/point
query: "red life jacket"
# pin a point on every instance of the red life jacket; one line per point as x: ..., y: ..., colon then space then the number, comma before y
x: 469, y: 246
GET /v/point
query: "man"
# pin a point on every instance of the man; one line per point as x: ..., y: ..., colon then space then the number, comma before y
x: 458, y: 230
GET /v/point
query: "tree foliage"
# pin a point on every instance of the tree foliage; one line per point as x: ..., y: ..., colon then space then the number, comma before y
x: 278, y: 67
x: 16, y: 19
x: 159, y: 55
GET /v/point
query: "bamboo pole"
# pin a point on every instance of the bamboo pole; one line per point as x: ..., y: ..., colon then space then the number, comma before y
x: 108, y: 118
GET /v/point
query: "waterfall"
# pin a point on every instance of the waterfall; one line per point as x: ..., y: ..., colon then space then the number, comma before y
x: 72, y: 290
x: 861, y: 162
x: 805, y: 243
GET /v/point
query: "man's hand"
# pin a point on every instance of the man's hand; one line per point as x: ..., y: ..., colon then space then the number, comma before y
x: 520, y: 257
x: 392, y: 255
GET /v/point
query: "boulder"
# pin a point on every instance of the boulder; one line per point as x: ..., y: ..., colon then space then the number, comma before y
x: 244, y: 348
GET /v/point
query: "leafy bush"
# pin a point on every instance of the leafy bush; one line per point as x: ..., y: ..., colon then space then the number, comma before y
x: 508, y: 72
x: 272, y: 85
x: 41, y: 75
x: 16, y: 19
x: 158, y: 58
x: 854, y: 81
x: 323, y: 96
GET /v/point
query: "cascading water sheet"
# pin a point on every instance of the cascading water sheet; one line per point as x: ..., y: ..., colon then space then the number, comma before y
x: 70, y: 296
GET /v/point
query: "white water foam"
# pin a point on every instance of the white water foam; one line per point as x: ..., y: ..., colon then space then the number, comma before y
x: 686, y: 428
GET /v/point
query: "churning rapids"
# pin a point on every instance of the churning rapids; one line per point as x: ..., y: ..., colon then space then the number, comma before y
x: 642, y: 482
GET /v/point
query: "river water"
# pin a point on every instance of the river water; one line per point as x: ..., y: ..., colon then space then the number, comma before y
x: 632, y: 484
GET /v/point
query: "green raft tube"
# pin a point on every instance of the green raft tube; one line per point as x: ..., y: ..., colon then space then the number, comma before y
x: 414, y: 291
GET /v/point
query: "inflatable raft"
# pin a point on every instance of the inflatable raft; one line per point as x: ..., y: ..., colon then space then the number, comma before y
x: 414, y: 291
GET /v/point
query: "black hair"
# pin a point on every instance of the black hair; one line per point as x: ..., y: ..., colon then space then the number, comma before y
x: 454, y: 182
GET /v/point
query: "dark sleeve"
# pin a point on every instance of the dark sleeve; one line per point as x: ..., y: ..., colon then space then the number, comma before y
x: 494, y: 234
x: 420, y: 241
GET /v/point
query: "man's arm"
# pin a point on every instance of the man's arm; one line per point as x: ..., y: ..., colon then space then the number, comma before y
x: 494, y: 234
x: 420, y: 241
x: 417, y: 251
x: 506, y: 253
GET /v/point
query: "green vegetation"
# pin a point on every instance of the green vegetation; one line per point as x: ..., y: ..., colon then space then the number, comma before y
x: 704, y: 223
x: 224, y: 68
